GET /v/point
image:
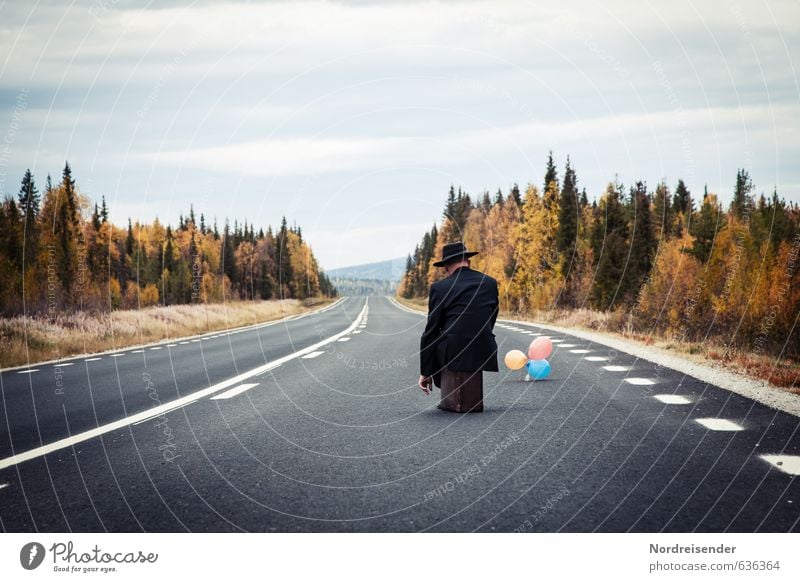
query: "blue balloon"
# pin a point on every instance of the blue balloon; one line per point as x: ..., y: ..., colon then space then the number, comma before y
x: 538, y: 369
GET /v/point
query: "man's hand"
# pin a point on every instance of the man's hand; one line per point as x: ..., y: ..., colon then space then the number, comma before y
x: 426, y: 384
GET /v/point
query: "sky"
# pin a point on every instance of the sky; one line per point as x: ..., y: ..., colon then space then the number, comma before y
x: 353, y: 118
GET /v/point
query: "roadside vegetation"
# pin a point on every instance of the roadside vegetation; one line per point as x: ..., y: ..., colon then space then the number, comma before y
x: 31, y: 339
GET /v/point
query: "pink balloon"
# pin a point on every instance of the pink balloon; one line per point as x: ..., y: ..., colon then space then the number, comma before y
x: 540, y: 348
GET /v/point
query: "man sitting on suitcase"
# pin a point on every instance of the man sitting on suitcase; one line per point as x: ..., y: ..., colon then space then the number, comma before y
x: 458, y: 343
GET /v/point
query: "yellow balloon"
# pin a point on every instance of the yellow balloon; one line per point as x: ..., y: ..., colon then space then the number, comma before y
x: 516, y: 360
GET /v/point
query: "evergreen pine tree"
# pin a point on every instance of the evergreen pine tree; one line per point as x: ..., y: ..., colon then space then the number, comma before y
x: 66, y: 230
x: 682, y: 200
x: 663, y: 212
x: 551, y: 174
x: 486, y: 202
x: 584, y: 199
x: 742, y: 201
x: 168, y: 257
x: 228, y: 256
x: 29, y: 202
x: 568, y: 214
x: 498, y: 197
x: 96, y: 218
x: 285, y: 271
x: 12, y: 235
x: 643, y: 241
x: 608, y: 241
x: 515, y: 195
x: 29, y: 199
x: 450, y: 208
x: 129, y: 239
x: 704, y: 227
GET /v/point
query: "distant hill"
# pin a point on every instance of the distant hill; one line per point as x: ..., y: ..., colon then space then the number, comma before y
x: 388, y: 270
x: 364, y: 286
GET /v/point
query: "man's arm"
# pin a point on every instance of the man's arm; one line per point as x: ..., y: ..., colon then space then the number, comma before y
x: 496, y: 305
x: 427, y: 344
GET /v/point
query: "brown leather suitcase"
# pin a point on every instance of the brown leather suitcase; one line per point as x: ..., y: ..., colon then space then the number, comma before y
x: 462, y: 391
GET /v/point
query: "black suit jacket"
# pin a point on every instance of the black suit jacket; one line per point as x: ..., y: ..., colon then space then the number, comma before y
x: 462, y: 310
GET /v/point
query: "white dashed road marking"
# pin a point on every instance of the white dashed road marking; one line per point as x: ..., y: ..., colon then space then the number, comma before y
x: 579, y: 351
x: 616, y: 368
x: 155, y: 348
x: 117, y: 355
x: 719, y: 424
x: 137, y: 351
x: 27, y: 371
x: 234, y: 391
x: 312, y: 355
x: 344, y: 339
x: 596, y: 358
x: 63, y: 365
x: 3, y: 485
x: 92, y: 359
x: 568, y: 346
x: 787, y: 463
x: 672, y: 399
x: 640, y: 381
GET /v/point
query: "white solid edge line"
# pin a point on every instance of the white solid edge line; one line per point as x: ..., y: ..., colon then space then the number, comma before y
x: 173, y: 409
x: 403, y: 307
x: 234, y: 391
x: 159, y: 410
x: 188, y: 337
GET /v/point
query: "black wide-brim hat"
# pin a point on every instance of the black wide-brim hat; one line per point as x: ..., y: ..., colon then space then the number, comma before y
x: 454, y: 251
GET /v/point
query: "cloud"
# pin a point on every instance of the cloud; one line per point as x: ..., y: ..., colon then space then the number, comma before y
x: 315, y: 155
x: 315, y: 95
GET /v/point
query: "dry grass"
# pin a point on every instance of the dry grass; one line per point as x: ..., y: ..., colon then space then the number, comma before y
x: 26, y: 340
x: 780, y: 372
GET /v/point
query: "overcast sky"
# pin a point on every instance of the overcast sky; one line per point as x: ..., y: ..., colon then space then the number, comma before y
x: 353, y: 118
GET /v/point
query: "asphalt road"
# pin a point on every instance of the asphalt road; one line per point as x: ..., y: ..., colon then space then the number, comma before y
x: 338, y: 437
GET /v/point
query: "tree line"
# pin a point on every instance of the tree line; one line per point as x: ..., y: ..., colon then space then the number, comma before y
x: 58, y: 253
x: 663, y: 260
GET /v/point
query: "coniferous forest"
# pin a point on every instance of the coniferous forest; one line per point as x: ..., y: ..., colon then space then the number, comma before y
x: 60, y: 253
x: 660, y: 261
